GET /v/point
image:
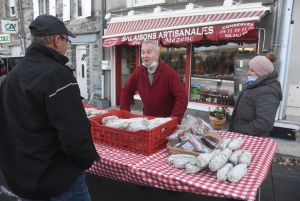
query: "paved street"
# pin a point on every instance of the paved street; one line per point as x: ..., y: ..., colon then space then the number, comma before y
x: 286, y: 180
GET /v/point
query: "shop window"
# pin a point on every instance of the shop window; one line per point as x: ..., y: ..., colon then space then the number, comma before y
x: 175, y: 56
x: 128, y: 62
x: 143, y: 2
x: 212, y: 71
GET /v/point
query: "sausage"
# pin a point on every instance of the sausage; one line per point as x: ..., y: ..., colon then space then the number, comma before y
x: 118, y: 124
x: 234, y: 158
x: 224, y: 143
x: 192, y: 168
x: 236, y: 143
x: 139, y: 121
x: 171, y: 158
x: 109, y: 118
x: 159, y: 120
x: 219, y: 160
x: 182, y: 162
x: 223, y: 171
x: 137, y: 127
x: 237, y: 173
x: 204, y: 159
x: 245, y: 158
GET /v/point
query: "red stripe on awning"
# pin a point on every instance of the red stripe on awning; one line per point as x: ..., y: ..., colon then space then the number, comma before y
x: 139, y: 29
x: 148, y: 25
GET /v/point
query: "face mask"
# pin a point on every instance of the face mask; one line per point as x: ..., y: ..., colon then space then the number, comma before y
x: 249, y: 81
x: 252, y: 78
x: 151, y: 65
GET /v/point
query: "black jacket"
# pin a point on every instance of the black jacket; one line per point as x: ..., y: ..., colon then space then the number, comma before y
x: 45, y: 138
x: 255, y: 108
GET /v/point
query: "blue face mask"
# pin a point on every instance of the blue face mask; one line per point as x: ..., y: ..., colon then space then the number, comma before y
x: 249, y: 81
x: 151, y: 65
x: 252, y: 78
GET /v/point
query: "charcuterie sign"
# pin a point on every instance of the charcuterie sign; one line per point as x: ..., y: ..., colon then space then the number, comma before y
x: 186, y: 35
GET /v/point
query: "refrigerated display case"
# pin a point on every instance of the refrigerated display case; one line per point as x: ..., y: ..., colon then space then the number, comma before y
x: 215, y: 91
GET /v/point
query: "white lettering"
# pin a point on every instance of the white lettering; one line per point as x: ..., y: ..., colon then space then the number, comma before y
x: 210, y: 30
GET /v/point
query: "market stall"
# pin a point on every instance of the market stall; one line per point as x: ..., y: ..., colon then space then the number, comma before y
x: 155, y: 171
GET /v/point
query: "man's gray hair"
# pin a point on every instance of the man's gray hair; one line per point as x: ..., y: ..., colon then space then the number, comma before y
x: 156, y: 46
x: 43, y: 40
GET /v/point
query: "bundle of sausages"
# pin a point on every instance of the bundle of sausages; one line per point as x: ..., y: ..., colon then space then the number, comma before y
x: 229, y: 162
x: 90, y: 112
x: 134, y: 124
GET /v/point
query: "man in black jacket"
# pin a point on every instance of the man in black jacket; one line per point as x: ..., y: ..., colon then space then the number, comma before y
x: 45, y: 140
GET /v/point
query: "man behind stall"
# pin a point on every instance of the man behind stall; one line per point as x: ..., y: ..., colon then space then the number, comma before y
x: 45, y: 140
x: 158, y: 84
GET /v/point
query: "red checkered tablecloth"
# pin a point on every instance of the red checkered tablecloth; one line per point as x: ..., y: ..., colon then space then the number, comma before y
x: 155, y: 171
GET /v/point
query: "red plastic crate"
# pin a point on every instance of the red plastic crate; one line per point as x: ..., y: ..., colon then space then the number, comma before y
x: 144, y: 142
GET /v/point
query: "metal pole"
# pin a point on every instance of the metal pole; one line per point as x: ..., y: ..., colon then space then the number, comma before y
x: 22, y: 25
x: 95, y: 90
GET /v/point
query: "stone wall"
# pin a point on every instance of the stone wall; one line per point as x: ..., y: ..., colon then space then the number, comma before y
x: 79, y: 26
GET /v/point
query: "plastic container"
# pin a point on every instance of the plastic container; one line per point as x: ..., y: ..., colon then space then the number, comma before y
x: 144, y: 142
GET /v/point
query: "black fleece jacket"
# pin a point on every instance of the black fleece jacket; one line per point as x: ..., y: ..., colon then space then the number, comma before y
x: 45, y: 139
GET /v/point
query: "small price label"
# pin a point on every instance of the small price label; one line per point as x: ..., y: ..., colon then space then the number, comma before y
x: 187, y: 146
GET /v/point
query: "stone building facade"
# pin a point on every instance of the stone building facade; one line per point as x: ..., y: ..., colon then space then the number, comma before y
x: 278, y: 30
x: 278, y: 33
x: 84, y: 18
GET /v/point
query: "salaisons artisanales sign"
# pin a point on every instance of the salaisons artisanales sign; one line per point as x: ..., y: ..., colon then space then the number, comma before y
x: 170, y: 36
x: 185, y: 35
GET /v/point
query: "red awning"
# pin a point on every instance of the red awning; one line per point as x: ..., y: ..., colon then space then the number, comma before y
x: 183, y: 28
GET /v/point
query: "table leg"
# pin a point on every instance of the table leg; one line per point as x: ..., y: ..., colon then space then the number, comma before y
x: 258, y: 194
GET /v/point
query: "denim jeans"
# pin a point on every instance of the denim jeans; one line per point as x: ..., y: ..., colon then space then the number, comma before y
x: 77, y: 192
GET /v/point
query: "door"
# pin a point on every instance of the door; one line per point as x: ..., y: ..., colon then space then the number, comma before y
x: 126, y: 61
x: 81, y: 69
x: 118, y: 73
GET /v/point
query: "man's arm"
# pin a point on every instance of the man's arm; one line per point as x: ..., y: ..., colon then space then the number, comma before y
x: 66, y: 112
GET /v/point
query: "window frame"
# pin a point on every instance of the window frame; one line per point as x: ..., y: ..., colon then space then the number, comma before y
x: 85, y: 9
x: 12, y: 4
x: 46, y: 6
x: 149, y: 2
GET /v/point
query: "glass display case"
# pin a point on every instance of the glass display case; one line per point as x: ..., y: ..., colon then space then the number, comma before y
x: 212, y: 72
x: 175, y: 56
x: 215, y: 91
